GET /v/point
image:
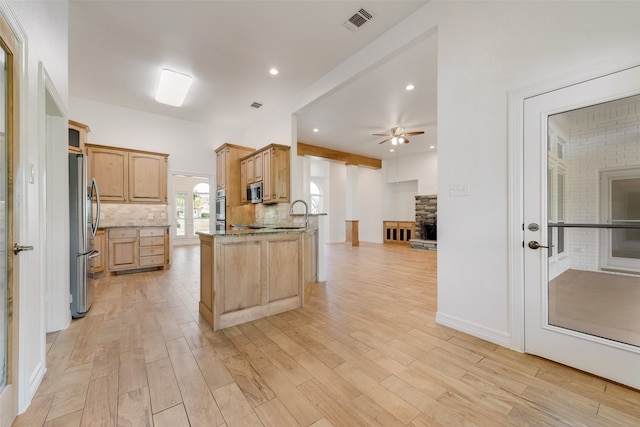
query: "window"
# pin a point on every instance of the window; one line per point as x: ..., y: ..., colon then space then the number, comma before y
x: 201, y: 207
x: 315, y: 195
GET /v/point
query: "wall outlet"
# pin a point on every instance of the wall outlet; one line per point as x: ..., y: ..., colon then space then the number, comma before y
x: 457, y: 190
x: 163, y: 215
x: 149, y: 216
x: 101, y: 215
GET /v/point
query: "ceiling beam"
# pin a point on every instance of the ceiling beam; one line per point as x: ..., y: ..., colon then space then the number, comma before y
x: 340, y: 156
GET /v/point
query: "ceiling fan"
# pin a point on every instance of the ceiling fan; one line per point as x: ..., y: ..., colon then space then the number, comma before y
x: 398, y: 135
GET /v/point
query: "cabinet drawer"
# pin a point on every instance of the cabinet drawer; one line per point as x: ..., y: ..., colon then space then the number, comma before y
x: 149, y: 261
x: 151, y: 250
x: 123, y: 233
x: 152, y: 232
x: 151, y: 241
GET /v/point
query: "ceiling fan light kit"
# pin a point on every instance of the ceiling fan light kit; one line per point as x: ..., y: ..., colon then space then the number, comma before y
x: 398, y: 135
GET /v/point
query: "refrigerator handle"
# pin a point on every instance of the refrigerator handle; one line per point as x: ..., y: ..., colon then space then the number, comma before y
x: 94, y: 188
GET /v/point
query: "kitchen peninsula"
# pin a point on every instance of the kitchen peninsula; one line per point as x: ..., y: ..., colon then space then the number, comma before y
x: 253, y: 273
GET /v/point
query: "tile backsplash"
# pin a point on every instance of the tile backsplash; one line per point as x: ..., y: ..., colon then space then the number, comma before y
x: 114, y: 214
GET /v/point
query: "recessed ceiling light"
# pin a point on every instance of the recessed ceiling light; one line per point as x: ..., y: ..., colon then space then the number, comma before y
x: 273, y: 71
x: 392, y: 150
x: 316, y: 130
x: 409, y: 87
x: 431, y: 147
x: 172, y: 88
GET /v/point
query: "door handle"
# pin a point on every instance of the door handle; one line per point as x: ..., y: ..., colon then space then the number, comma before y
x: 18, y: 248
x: 535, y: 245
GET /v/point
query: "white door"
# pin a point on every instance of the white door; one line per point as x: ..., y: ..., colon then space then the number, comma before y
x: 577, y: 312
x: 9, y: 143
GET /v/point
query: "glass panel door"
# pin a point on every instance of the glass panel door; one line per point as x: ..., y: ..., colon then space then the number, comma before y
x: 181, y: 199
x: 581, y: 216
x: 4, y: 283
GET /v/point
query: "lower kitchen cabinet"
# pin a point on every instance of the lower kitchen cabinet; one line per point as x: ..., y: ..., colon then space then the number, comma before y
x: 136, y: 248
x: 97, y: 264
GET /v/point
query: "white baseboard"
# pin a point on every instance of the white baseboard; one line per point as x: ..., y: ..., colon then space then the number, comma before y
x: 479, y: 331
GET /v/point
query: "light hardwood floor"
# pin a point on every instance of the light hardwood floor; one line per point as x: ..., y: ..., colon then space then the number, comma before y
x: 364, y: 351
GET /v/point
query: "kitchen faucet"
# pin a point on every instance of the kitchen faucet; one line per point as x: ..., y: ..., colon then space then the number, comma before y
x: 306, y: 211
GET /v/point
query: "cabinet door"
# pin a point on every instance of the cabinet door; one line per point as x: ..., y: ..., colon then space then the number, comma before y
x: 97, y: 264
x: 243, y: 181
x: 251, y: 175
x: 77, y: 136
x: 221, y: 168
x: 275, y: 175
x: 147, y: 178
x: 123, y: 254
x: 257, y: 167
x: 110, y: 168
x: 267, y: 189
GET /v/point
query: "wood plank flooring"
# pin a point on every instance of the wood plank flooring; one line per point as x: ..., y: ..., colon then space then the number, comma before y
x: 364, y: 351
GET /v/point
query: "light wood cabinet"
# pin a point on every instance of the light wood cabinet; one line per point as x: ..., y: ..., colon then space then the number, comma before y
x: 276, y: 174
x: 271, y: 166
x: 221, y: 167
x: 398, y: 231
x: 244, y: 278
x: 243, y: 181
x: 230, y: 173
x: 147, y: 178
x: 110, y: 168
x: 135, y: 248
x: 97, y: 264
x: 77, y: 137
x: 128, y: 176
x: 123, y: 249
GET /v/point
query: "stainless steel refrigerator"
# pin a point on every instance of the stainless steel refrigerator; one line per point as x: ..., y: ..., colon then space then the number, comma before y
x: 83, y: 222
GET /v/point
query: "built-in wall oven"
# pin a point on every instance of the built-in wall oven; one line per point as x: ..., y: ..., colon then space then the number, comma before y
x: 221, y: 209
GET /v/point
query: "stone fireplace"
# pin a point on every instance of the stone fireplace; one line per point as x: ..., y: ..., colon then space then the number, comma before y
x: 426, y: 231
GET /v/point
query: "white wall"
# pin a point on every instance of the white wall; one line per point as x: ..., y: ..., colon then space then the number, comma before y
x: 487, y: 49
x: 44, y: 26
x: 190, y: 145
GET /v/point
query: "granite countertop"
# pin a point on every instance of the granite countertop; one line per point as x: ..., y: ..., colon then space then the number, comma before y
x: 255, y: 232
x: 106, y: 226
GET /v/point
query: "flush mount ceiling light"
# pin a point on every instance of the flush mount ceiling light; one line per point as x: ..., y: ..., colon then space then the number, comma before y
x: 273, y: 71
x: 409, y: 87
x: 172, y: 88
x: 316, y: 130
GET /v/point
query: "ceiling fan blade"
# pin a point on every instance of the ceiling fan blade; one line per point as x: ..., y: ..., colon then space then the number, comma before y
x: 414, y: 133
x: 380, y: 134
x: 381, y: 142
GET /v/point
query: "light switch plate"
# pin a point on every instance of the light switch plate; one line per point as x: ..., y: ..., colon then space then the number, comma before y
x: 458, y: 190
x: 150, y: 216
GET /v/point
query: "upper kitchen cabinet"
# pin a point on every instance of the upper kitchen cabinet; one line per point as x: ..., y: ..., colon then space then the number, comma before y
x: 269, y: 165
x: 77, y: 137
x: 228, y: 170
x: 128, y: 176
x: 276, y: 174
x: 147, y: 178
x: 110, y: 168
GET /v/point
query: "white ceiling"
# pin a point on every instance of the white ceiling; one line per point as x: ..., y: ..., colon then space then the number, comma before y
x: 117, y: 49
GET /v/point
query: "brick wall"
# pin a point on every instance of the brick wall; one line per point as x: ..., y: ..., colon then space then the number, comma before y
x: 599, y: 138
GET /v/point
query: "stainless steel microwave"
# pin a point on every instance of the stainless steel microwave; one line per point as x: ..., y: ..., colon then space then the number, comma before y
x: 254, y: 192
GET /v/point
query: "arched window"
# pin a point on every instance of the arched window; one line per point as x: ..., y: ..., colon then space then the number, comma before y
x: 201, y: 207
x: 315, y: 193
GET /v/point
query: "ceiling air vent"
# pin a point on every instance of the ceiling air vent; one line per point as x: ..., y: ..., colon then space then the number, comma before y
x: 256, y: 105
x: 358, y: 19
